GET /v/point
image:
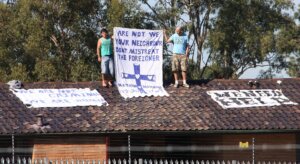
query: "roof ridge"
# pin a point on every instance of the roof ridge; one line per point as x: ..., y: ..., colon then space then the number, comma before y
x: 165, y: 81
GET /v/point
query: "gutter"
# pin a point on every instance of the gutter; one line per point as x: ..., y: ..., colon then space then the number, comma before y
x: 180, y: 133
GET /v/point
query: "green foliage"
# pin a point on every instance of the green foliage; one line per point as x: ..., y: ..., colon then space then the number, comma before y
x: 288, y: 39
x: 116, y: 12
x: 294, y: 67
x: 82, y: 71
x: 193, y: 72
x: 243, y: 34
x: 47, y: 37
x: 119, y: 14
x: 214, y: 71
x: 4, y: 76
x: 19, y: 72
x: 167, y: 69
x: 288, y: 46
x: 56, y: 40
x: 45, y: 71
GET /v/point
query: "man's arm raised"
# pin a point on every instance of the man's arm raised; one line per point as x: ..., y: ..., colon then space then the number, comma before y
x: 168, y: 40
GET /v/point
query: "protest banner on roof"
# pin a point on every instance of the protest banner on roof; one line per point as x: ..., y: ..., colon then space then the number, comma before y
x: 68, y: 97
x: 138, y: 62
x: 249, y: 98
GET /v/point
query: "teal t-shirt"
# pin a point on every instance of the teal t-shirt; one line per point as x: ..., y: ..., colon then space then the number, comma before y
x: 180, y: 43
x: 106, y: 47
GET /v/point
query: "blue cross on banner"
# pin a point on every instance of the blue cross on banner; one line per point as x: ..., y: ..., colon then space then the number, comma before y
x: 138, y: 77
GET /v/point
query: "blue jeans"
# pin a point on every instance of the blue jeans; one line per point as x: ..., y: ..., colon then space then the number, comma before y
x: 107, y: 65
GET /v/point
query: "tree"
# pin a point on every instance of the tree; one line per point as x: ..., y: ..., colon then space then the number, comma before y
x: 5, y: 39
x: 56, y: 40
x: 44, y: 40
x: 288, y: 45
x: 243, y: 35
x: 116, y: 13
x: 72, y: 32
x: 238, y: 35
x: 194, y: 15
x: 49, y: 35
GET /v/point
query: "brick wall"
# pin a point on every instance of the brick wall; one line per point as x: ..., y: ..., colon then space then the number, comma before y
x: 71, y: 148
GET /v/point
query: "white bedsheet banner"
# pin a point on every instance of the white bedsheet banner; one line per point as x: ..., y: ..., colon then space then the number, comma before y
x: 69, y: 97
x: 138, y: 62
x: 249, y: 98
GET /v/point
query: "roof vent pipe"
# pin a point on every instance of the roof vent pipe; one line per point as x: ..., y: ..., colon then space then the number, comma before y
x: 39, y: 120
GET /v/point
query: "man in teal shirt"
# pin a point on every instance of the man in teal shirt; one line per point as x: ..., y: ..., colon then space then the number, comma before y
x: 181, y: 51
x: 105, y: 57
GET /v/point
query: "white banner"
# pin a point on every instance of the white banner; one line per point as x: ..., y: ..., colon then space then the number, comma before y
x: 69, y: 97
x: 138, y: 62
x: 249, y: 98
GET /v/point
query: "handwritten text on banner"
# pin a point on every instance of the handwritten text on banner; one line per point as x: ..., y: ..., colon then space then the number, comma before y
x: 138, y: 59
x: 69, y: 97
x: 249, y: 98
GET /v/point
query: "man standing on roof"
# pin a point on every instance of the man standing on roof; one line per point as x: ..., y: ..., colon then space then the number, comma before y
x: 181, y: 51
x: 105, y: 57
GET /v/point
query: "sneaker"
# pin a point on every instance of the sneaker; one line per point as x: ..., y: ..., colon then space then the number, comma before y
x: 175, y: 85
x: 186, y: 85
